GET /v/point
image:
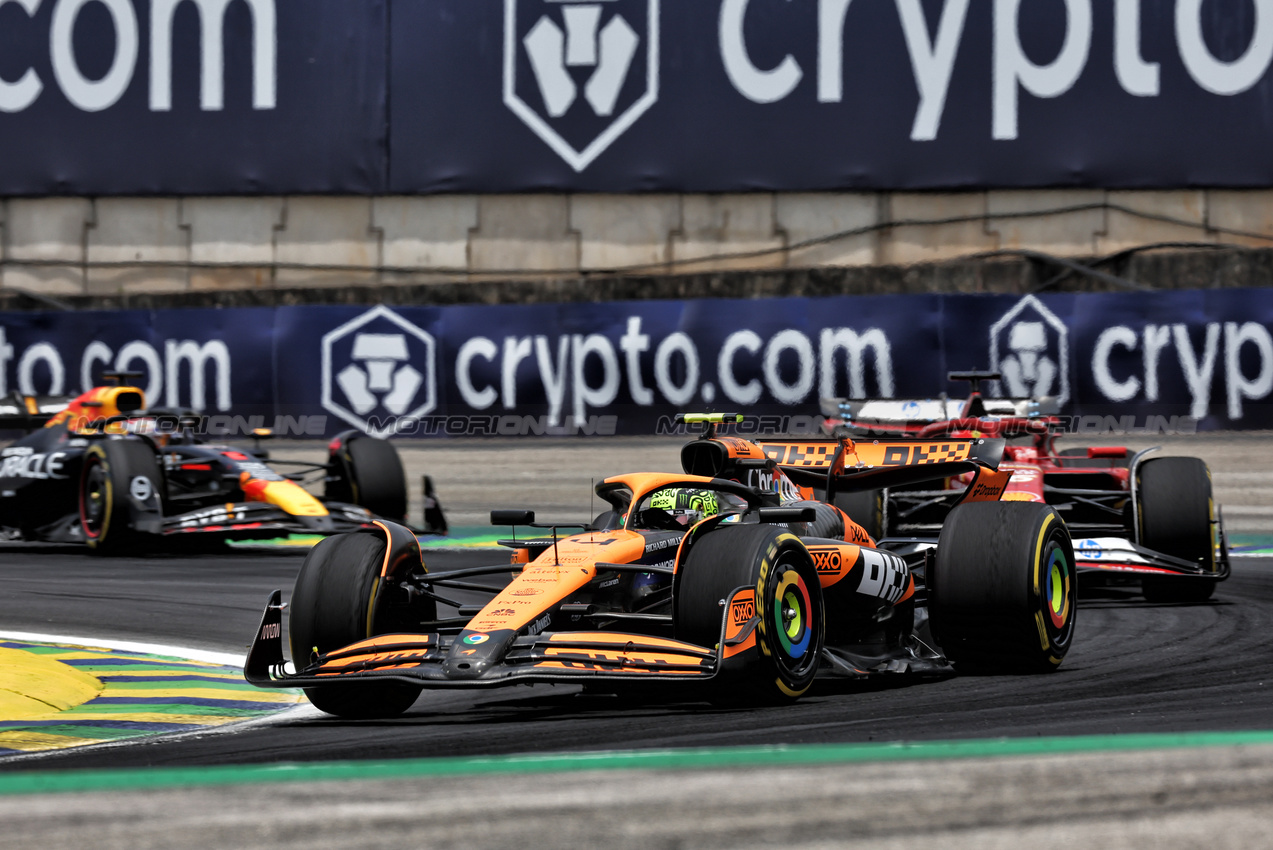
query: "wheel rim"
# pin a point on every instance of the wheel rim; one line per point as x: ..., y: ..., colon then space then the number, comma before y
x: 93, y: 500
x: 1057, y: 595
x: 793, y: 617
x: 1058, y: 587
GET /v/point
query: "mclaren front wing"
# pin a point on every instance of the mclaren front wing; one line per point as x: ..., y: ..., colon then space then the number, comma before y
x: 493, y: 659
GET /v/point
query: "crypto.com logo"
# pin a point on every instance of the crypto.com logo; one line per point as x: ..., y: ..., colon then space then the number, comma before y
x: 1030, y: 346
x: 580, y: 54
x: 378, y: 372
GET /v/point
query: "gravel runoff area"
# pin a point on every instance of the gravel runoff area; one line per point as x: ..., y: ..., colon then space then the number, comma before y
x: 554, y: 476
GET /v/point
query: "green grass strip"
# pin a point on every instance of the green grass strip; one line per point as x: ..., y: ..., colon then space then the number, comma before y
x: 93, y: 709
x: 690, y: 759
x: 118, y: 688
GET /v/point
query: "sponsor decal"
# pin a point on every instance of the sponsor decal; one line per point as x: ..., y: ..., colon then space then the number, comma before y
x: 140, y: 488
x: 984, y: 490
x: 656, y: 545
x: 774, y: 481
x: 927, y: 453
x: 883, y: 575
x: 256, y: 470
x: 741, y: 611
x: 214, y: 516
x: 526, y: 591
x: 476, y: 638
x: 271, y: 631
x: 504, y: 612
x: 1092, y: 550
x: 539, y: 625
x: 826, y: 561
x: 23, y: 462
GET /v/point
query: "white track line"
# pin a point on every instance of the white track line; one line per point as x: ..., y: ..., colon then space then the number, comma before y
x: 225, y: 658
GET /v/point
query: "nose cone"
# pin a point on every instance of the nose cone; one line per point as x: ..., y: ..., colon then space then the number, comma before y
x: 474, y: 653
x: 318, y: 523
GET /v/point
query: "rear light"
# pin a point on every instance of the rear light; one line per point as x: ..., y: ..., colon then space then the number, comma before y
x: 334, y: 445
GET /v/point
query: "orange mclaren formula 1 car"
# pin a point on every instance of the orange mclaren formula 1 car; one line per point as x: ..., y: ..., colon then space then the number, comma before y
x: 102, y: 470
x: 1133, y: 517
x: 750, y: 590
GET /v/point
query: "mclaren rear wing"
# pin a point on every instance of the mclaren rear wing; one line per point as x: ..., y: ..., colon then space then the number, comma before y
x: 848, y: 465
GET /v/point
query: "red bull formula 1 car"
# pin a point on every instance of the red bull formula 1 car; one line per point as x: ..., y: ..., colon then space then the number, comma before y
x: 724, y: 576
x: 1133, y: 516
x: 104, y: 471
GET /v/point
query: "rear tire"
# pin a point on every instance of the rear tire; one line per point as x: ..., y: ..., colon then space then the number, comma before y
x: 107, y: 488
x: 1176, y: 510
x: 789, y: 603
x: 332, y: 606
x: 1003, y: 590
x: 866, y: 508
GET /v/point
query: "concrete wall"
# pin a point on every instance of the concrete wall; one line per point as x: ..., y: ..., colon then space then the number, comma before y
x: 121, y: 246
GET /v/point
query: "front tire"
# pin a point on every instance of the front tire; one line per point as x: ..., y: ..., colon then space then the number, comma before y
x: 1176, y: 515
x: 375, y: 477
x: 789, y: 604
x: 333, y: 605
x: 114, y: 473
x: 1002, y: 592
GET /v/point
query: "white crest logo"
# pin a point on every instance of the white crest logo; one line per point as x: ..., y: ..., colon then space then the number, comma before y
x: 581, y: 55
x: 1030, y: 346
x: 140, y: 488
x: 378, y: 372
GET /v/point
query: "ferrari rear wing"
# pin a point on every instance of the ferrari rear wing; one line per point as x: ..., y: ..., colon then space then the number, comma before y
x: 872, y: 412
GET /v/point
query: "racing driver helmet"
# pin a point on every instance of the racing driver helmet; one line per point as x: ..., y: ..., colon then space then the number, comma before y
x: 686, y: 505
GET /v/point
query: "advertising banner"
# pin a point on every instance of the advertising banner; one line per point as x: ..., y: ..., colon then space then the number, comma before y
x: 217, y: 97
x: 140, y: 97
x: 769, y: 95
x: 1148, y: 361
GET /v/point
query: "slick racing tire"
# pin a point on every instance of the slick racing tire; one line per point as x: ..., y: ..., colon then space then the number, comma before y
x: 789, y: 603
x: 1175, y: 511
x: 376, y: 478
x: 1002, y: 591
x: 865, y: 508
x: 115, y: 474
x: 332, y: 606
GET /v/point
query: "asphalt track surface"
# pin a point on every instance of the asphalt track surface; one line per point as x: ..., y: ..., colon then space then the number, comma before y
x: 1135, y: 668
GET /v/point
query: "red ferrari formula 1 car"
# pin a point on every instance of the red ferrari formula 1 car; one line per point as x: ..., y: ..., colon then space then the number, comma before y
x: 102, y: 470
x: 749, y: 590
x: 1132, y: 516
